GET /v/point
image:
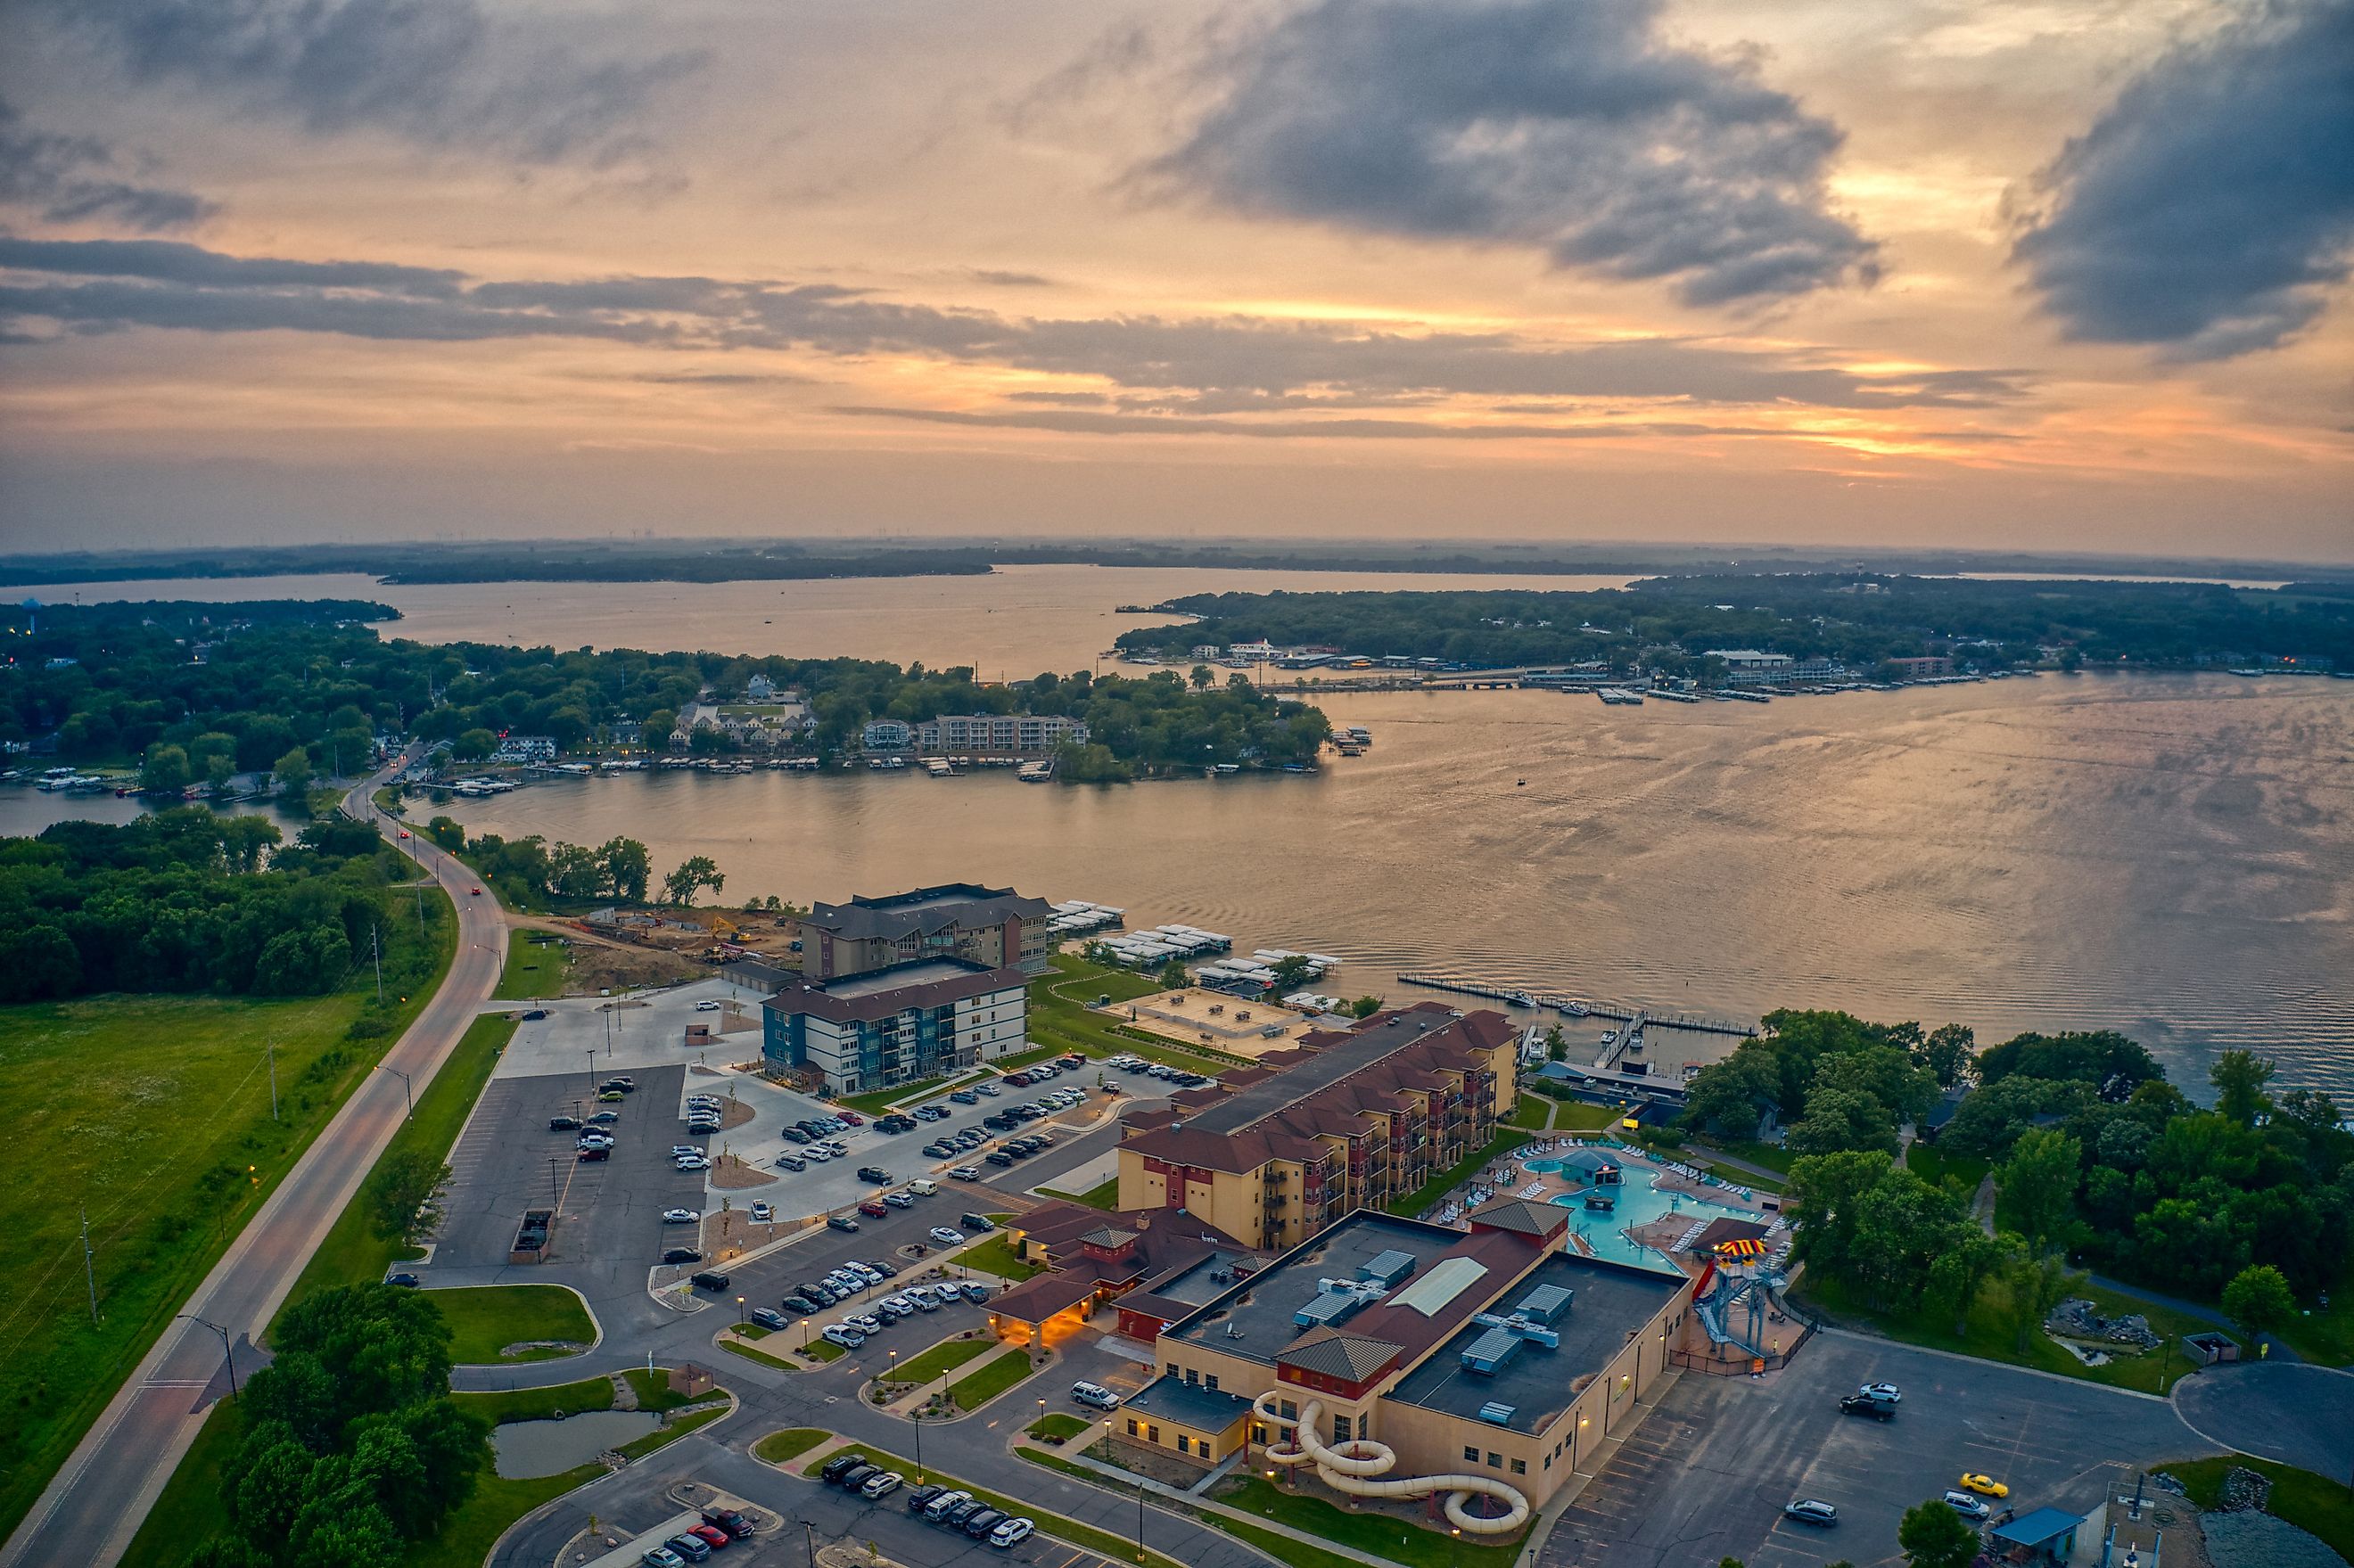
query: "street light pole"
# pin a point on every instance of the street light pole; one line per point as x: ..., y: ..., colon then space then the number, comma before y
x: 406, y: 1087
x: 1139, y: 1519
x: 808, y: 1537
x: 228, y: 1359
x: 917, y: 1417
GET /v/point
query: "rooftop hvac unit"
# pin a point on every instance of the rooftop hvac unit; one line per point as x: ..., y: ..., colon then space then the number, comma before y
x: 1488, y: 1353
x: 1386, y: 1268
x: 1545, y: 1303
x: 1497, y: 1414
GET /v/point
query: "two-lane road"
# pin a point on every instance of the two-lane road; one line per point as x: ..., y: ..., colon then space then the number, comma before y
x: 98, y: 1499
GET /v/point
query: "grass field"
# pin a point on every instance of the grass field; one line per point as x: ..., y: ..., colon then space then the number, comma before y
x: 1993, y: 1337
x: 1380, y: 1535
x: 977, y: 1389
x: 1060, y: 1020
x: 486, y: 1319
x: 537, y: 963
x: 2315, y: 1503
x: 1964, y: 1174
x: 995, y: 1256
x: 1104, y: 1194
x: 154, y: 1113
x: 789, y: 1444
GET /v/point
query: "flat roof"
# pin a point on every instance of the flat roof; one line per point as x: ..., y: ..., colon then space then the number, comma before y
x: 923, y: 971
x: 1254, y: 1319
x: 1612, y: 1301
x: 1328, y: 1066
x: 1189, y: 1403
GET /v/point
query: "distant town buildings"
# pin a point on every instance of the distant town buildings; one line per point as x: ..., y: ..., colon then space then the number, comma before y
x: 1925, y: 666
x: 974, y: 732
x: 517, y: 749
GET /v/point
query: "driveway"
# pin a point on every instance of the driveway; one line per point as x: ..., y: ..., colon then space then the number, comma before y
x: 1706, y: 1475
x: 2301, y: 1416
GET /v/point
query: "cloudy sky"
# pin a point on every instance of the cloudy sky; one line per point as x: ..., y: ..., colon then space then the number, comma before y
x: 1978, y: 272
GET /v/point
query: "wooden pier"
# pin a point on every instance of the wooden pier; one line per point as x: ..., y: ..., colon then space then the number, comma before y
x: 1639, y: 1017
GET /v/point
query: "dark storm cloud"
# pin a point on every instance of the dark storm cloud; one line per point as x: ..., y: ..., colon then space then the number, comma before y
x: 1210, y: 366
x: 1574, y: 128
x: 68, y: 179
x: 2212, y: 204
x: 438, y: 73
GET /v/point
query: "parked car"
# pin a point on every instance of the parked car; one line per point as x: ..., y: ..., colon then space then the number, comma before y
x: 563, y: 1123
x: 660, y: 1557
x: 794, y: 1135
x: 1093, y: 1393
x: 882, y: 1486
x: 977, y: 1223
x: 1811, y: 1511
x: 1857, y: 1405
x: 694, y: 1548
x: 694, y: 1162
x: 1011, y: 1533
x: 923, y: 1300
x: 857, y: 1476
x: 1985, y: 1485
x: 938, y: 1509
x: 736, y: 1526
x: 945, y: 1236
x: 597, y: 1152
x: 761, y: 1212
x: 1884, y: 1392
x: 711, y: 1280
x: 866, y: 1323
x: 852, y: 1118
x: 405, y: 1280
x: 873, y: 1173
x: 966, y: 1173
x: 898, y: 1200
x: 769, y: 1318
x: 836, y: 1466
x: 980, y: 1521
x: 964, y: 1097
x: 848, y: 1339
x: 605, y: 1118
x: 975, y: 1292
x: 998, y: 1157
x: 841, y: 1222
x: 922, y: 1188
x: 873, y: 1208
x: 793, y: 1162
x: 711, y: 1535
x: 681, y: 1255
x: 680, y: 1216
x: 921, y: 1497
x: 706, y: 1005
x: 1970, y: 1508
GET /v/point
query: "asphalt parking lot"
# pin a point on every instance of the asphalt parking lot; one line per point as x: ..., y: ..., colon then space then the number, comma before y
x: 1707, y: 1474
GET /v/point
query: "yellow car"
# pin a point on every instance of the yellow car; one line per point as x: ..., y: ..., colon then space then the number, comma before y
x: 1985, y: 1484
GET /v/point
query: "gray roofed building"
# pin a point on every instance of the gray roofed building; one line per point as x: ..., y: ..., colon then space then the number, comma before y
x: 993, y: 926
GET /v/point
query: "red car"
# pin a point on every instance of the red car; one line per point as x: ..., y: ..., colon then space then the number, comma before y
x: 477, y: 892
x: 404, y: 832
x: 852, y: 1118
x: 711, y: 1535
x: 873, y: 1206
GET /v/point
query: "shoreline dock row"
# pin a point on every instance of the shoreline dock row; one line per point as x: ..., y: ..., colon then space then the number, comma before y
x: 1517, y: 996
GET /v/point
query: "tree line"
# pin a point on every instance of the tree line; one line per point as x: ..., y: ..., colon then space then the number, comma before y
x: 2098, y: 1160
x: 195, y: 693
x: 185, y: 900
x: 1668, y: 623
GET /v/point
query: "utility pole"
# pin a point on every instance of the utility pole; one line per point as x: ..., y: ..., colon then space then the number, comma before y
x: 375, y: 946
x: 270, y: 1049
x: 88, y: 1263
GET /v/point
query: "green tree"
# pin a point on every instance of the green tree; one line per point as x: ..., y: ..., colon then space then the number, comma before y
x: 1365, y: 1006
x: 2037, y: 1286
x: 2039, y: 1185
x: 1731, y: 1097
x: 396, y: 1197
x: 474, y: 745
x: 2239, y: 1077
x: 627, y: 867
x: 220, y: 768
x: 576, y: 871
x: 1291, y: 974
x: 447, y: 832
x: 1933, y: 1535
x: 1962, y: 1271
x: 1203, y: 677
x: 165, y: 770
x: 2259, y: 1301
x: 1947, y: 1054
x: 293, y: 772
x: 693, y: 874
x: 1173, y: 975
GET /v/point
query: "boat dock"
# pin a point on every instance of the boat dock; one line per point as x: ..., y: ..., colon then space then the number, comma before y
x: 1638, y: 1018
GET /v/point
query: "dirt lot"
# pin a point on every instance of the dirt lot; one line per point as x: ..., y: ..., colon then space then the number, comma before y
x: 600, y: 963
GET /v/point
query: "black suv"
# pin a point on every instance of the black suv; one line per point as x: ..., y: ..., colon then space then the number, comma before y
x: 563, y: 1123
x: 707, y: 1280
x: 842, y: 1462
x: 921, y: 1497
x: 681, y: 1255
x: 874, y: 1173
x: 1865, y: 1405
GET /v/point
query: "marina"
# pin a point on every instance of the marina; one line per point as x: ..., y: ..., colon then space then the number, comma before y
x: 1636, y: 1018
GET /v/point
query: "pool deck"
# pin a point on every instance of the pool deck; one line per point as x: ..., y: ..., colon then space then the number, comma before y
x: 1530, y: 1172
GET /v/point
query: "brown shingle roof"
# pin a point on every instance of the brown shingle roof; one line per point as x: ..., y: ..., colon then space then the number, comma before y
x: 1353, y: 1358
x: 1522, y: 1217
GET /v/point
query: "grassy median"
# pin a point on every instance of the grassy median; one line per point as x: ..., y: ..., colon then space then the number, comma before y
x: 151, y: 1114
x: 973, y: 1391
x: 484, y: 1320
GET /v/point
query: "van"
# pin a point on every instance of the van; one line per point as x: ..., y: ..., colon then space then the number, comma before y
x: 978, y: 1223
x: 922, y: 1188
x: 709, y: 1280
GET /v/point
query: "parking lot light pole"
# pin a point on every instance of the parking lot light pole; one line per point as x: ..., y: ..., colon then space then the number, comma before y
x: 809, y: 1535
x: 1139, y: 1519
x: 805, y: 1336
x: 1042, y: 1415
x: 917, y: 1417
x: 739, y: 1311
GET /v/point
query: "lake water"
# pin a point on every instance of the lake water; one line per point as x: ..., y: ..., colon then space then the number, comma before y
x: 1014, y: 623
x: 523, y: 1450
x: 2169, y: 855
x: 2166, y: 855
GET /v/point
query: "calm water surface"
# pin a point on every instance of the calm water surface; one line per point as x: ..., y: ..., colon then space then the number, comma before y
x: 1015, y: 622
x: 2168, y: 855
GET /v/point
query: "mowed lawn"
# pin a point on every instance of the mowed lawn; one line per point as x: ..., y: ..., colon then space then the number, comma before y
x: 153, y: 1112
x: 484, y: 1320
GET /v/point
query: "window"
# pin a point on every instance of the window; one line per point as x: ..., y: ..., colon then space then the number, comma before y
x: 1469, y: 1453
x: 1495, y: 1460
x: 1364, y: 1422
x: 1173, y: 1369
x: 1548, y: 1463
x: 1520, y: 1467
x: 1340, y: 1429
x: 1290, y: 1411
x: 1191, y: 1376
x: 1184, y: 1443
x: 1133, y: 1428
x: 1211, y: 1380
x: 1152, y: 1433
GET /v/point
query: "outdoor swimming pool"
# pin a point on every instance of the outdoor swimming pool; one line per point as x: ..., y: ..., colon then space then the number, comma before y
x: 1636, y: 1203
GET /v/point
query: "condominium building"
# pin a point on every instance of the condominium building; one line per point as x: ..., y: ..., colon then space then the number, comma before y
x: 894, y: 1025
x: 995, y: 927
x: 1750, y: 667
x: 988, y: 733
x: 1345, y: 1120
